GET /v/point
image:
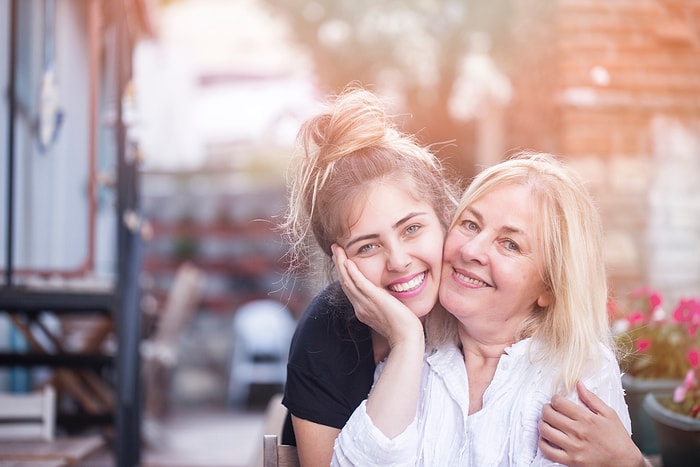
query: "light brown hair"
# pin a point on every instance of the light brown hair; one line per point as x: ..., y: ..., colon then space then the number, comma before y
x: 349, y: 144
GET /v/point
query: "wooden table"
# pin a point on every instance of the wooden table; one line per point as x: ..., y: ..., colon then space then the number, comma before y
x: 55, y: 453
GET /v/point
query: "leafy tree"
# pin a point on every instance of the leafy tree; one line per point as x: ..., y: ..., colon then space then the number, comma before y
x: 409, y: 49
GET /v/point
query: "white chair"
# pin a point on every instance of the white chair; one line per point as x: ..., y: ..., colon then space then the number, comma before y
x: 262, y: 331
x: 28, y: 416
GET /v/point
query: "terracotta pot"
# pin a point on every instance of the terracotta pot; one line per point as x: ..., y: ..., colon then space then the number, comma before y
x: 678, y: 436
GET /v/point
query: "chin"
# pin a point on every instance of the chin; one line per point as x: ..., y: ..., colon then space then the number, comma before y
x: 422, y: 311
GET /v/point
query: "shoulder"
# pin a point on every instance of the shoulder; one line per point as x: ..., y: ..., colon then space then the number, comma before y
x: 330, y: 312
x: 328, y: 327
x: 604, y: 364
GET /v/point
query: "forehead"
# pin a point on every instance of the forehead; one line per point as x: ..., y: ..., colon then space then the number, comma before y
x: 383, y: 203
x: 511, y: 206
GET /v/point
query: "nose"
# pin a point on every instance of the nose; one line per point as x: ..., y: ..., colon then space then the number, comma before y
x: 398, y: 259
x: 475, y: 249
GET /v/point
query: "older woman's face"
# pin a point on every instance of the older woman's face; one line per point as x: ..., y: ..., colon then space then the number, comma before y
x: 490, y: 273
x: 396, y: 242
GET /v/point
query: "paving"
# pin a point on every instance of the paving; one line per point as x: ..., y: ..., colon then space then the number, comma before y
x: 194, y: 437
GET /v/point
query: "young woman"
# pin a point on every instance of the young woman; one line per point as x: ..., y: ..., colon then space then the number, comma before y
x: 358, y: 181
x: 357, y: 177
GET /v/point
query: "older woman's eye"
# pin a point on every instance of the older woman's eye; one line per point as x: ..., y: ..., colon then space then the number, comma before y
x: 511, y: 245
x: 470, y: 225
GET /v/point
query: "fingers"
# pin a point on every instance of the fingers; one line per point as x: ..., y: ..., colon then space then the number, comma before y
x: 593, y: 402
x: 553, y: 453
x: 554, y: 426
x: 568, y: 409
x: 366, y: 298
x: 592, y: 405
x: 359, y: 289
x: 559, y: 438
x: 348, y: 274
x: 340, y: 259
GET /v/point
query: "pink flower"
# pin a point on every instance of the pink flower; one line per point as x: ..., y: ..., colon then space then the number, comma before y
x: 612, y: 309
x: 636, y: 318
x: 643, y: 345
x: 654, y: 299
x: 693, y: 357
x: 680, y: 313
x: 679, y: 394
x: 687, y: 311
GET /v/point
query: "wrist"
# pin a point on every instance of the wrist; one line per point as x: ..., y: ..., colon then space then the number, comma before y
x: 409, y: 346
x: 409, y: 341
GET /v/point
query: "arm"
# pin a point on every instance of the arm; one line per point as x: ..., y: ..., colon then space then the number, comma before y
x: 328, y: 374
x: 593, y: 435
x: 314, y: 442
x: 394, y: 398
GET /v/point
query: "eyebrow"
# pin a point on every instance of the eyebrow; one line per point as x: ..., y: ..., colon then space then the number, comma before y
x: 401, y: 221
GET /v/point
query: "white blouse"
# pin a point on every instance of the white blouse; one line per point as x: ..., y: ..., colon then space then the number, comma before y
x: 503, y: 433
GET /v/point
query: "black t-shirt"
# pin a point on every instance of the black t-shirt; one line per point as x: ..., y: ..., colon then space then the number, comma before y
x: 331, y: 363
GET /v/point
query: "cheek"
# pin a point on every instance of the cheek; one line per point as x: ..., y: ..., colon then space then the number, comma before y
x: 431, y: 250
x: 451, y: 248
x: 372, y: 268
x: 531, y: 285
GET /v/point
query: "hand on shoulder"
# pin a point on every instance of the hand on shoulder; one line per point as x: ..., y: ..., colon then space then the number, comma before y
x: 586, y: 435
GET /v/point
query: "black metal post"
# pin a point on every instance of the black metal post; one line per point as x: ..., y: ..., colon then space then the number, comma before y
x: 128, y: 317
x: 9, y: 258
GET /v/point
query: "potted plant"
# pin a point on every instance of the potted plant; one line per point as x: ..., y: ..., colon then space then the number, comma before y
x: 654, y: 348
x: 677, y: 419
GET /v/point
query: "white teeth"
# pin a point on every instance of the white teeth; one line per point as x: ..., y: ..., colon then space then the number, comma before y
x: 410, y: 285
x: 472, y: 281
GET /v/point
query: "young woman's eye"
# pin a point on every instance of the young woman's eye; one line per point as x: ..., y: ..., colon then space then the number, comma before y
x: 364, y: 249
x: 412, y: 228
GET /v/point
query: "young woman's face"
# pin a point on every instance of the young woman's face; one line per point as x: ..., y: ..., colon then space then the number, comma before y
x: 396, y: 242
x: 491, y: 265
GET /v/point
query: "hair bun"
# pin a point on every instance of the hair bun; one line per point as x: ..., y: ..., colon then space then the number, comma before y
x: 355, y: 120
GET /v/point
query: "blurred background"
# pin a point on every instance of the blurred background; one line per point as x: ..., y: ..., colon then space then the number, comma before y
x: 144, y: 145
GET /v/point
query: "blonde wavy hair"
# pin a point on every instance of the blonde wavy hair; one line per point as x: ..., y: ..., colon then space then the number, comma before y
x: 569, y: 238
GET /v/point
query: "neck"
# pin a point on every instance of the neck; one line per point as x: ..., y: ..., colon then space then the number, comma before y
x: 483, y: 348
x: 481, y: 360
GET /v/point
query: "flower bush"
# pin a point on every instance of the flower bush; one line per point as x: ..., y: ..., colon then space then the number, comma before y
x: 686, y: 397
x: 654, y: 343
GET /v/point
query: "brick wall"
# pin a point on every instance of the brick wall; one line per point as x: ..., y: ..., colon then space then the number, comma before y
x: 627, y: 75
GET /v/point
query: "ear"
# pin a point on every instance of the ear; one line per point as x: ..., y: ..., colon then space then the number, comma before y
x: 545, y: 299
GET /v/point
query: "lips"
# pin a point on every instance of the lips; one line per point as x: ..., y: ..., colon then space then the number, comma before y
x: 471, y: 280
x: 408, y: 286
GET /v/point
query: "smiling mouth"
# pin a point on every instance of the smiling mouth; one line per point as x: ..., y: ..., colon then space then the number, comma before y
x: 410, y: 285
x: 471, y: 280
